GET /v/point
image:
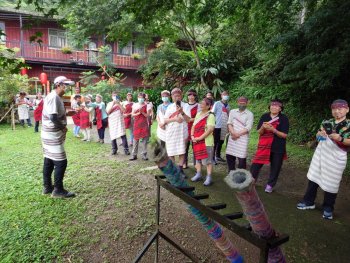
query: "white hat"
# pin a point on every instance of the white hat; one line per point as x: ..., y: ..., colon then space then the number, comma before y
x: 63, y: 79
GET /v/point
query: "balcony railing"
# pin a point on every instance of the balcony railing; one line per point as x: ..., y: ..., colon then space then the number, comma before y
x: 44, y: 53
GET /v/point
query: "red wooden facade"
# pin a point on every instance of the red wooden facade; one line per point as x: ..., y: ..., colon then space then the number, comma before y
x: 51, y: 60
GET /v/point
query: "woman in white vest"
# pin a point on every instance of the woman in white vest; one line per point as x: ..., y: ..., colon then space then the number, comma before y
x: 176, y: 128
x: 240, y: 122
x: 116, y: 124
x: 23, y: 105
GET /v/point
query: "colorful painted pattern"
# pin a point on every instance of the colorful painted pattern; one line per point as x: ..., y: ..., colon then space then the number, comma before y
x: 254, y: 209
x: 213, y: 229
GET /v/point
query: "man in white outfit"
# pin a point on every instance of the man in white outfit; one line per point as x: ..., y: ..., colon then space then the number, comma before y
x: 176, y: 120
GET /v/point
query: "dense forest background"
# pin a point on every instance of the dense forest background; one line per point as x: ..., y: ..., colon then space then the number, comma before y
x: 295, y: 50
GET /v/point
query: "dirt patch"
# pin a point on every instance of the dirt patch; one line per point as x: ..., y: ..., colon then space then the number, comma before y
x: 123, y: 224
x: 292, y: 182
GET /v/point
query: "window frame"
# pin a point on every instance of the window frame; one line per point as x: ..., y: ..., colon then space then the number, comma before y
x: 133, y: 48
x: 3, y: 37
x: 66, y: 44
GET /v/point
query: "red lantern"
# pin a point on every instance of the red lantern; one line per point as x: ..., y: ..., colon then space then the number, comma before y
x: 43, y: 78
x: 23, y: 71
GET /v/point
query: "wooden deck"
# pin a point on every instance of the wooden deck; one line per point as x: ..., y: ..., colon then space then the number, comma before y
x: 44, y: 53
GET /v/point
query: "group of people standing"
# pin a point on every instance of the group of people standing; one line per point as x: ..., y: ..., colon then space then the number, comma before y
x: 119, y: 116
x: 23, y: 105
x: 207, y: 124
x: 203, y: 125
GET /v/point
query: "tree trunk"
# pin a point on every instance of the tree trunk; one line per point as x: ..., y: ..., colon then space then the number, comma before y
x: 192, y: 42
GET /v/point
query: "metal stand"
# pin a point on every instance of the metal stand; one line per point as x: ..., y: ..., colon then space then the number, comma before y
x: 226, y: 220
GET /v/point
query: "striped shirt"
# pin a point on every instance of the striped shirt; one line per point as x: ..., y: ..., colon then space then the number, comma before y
x: 218, y: 109
x: 53, y: 137
x: 53, y: 104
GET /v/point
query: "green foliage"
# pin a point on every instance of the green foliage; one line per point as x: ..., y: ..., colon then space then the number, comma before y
x: 8, y: 60
x: 66, y: 50
x: 294, y: 50
x: 10, y: 81
x: 104, y: 87
x: 88, y: 78
x: 155, y: 96
x: 169, y: 67
x: 10, y: 85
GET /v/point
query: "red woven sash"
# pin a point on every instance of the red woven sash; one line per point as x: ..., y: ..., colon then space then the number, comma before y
x: 38, y: 111
x: 199, y: 147
x: 174, y: 114
x: 98, y: 115
x: 84, y: 119
x: 263, y: 152
x: 141, y: 124
x: 127, y: 120
x: 115, y: 108
x: 76, y: 118
x: 194, y: 111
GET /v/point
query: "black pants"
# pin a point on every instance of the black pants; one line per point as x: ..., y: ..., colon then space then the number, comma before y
x: 36, y: 129
x: 101, y: 132
x: 217, y: 143
x: 276, y: 160
x: 310, y: 196
x: 162, y: 143
x: 124, y: 142
x: 188, y: 144
x: 29, y: 122
x: 59, y: 167
x: 231, y: 162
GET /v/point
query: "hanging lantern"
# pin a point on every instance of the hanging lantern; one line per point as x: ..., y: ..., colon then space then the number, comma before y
x: 43, y: 78
x: 23, y: 71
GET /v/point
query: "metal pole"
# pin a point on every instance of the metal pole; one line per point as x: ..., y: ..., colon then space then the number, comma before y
x: 157, y: 221
x: 21, y: 35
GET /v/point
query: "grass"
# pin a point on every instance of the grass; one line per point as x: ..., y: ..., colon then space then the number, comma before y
x: 37, y: 228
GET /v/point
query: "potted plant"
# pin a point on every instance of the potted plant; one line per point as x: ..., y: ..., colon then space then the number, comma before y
x: 136, y: 56
x: 67, y: 50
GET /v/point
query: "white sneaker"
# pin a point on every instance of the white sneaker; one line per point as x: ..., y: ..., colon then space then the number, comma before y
x: 196, y: 178
x: 84, y: 139
x: 207, y: 181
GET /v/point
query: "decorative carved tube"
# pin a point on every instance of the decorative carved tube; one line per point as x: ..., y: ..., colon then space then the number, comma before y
x: 176, y: 179
x: 243, y: 183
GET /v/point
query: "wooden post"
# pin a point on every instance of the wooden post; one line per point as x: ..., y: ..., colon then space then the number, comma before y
x: 13, y: 124
x: 48, y: 88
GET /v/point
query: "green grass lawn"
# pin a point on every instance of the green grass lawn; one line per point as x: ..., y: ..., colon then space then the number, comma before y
x: 37, y: 228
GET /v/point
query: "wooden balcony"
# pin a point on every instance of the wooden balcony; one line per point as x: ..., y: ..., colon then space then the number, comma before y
x: 44, y: 53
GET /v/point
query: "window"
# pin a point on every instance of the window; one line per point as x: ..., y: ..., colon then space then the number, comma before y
x: 139, y: 50
x: 58, y: 38
x: 92, y: 52
x: 2, y: 28
x: 131, y: 48
x: 110, y: 52
x: 125, y: 50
